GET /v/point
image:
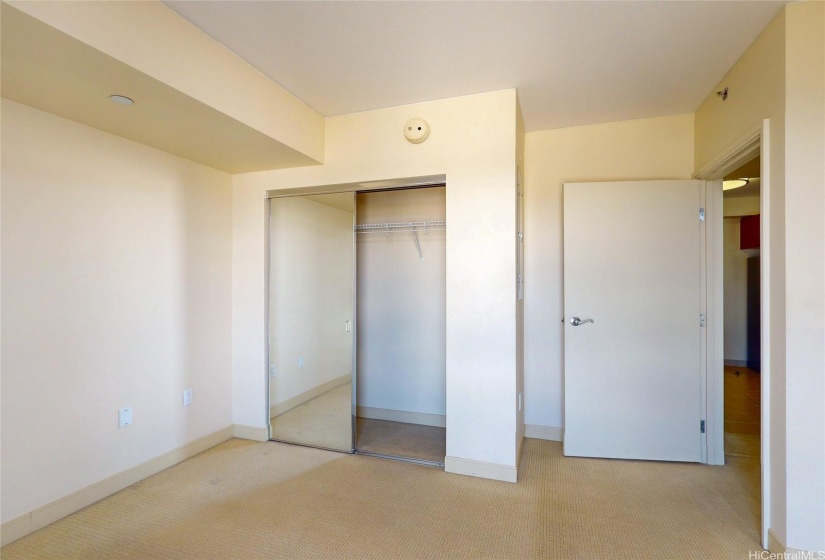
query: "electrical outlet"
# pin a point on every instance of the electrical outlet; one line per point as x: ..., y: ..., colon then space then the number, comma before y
x: 187, y: 397
x: 124, y: 417
x: 300, y: 361
x: 272, y: 370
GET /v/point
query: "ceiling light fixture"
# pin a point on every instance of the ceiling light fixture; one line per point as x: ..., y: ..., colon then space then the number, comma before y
x: 121, y: 100
x: 734, y: 184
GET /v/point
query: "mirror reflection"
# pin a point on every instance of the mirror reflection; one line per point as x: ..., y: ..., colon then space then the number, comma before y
x: 310, y: 319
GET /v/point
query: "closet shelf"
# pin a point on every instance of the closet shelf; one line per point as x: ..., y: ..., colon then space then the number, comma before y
x: 413, y: 227
x: 401, y: 226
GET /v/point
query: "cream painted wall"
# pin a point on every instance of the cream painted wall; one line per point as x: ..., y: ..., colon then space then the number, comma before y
x: 741, y: 206
x: 311, y: 272
x: 402, y: 351
x: 735, y: 293
x: 756, y: 91
x: 805, y: 274
x: 656, y: 148
x: 116, y: 291
x: 473, y: 142
x: 155, y: 40
x: 780, y: 78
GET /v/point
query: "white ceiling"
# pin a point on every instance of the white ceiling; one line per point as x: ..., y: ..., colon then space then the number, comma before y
x: 573, y: 63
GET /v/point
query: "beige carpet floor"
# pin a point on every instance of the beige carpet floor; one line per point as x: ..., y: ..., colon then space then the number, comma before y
x: 325, y: 421
x: 243, y: 499
x: 413, y: 441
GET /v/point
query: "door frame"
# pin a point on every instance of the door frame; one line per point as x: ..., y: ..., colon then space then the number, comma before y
x: 755, y: 142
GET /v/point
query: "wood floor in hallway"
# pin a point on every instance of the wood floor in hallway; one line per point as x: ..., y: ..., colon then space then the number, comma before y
x: 742, y: 400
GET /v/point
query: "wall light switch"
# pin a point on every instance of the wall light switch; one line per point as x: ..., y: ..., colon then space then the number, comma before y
x: 124, y: 417
x: 187, y: 397
x: 519, y: 402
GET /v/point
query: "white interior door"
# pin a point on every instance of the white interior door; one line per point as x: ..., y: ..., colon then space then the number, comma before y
x: 633, y: 264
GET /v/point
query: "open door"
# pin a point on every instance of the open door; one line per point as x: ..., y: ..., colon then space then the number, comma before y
x: 633, y: 320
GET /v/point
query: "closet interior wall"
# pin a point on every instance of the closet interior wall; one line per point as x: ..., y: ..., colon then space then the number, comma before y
x: 401, y: 318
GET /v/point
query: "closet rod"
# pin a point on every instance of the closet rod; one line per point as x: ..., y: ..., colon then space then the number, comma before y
x: 401, y: 226
x: 413, y: 227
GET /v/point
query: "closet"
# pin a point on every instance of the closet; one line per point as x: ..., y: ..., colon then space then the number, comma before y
x: 401, y: 310
x: 357, y: 320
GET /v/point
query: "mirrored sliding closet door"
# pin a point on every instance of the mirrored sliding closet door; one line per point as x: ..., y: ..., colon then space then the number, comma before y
x: 311, y: 276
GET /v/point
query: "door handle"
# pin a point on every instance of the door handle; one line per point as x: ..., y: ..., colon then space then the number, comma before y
x: 575, y: 321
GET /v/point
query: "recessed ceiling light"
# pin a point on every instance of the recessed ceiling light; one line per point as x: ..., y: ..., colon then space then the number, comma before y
x: 734, y: 184
x: 121, y: 100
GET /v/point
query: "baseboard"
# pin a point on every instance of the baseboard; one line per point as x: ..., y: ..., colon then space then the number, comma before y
x: 306, y: 396
x: 421, y: 418
x: 45, y: 515
x: 250, y: 432
x: 548, y: 433
x: 519, y: 448
x: 736, y: 363
x: 775, y: 546
x: 481, y: 469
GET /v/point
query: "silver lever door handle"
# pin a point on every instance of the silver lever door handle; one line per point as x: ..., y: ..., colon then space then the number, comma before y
x: 575, y: 321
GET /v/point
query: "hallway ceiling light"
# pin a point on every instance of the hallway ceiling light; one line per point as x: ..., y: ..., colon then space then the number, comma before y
x: 734, y: 184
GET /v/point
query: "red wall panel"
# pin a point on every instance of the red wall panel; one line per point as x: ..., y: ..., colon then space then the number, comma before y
x: 749, y: 232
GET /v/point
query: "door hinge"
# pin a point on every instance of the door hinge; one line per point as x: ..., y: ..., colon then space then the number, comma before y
x: 702, y: 320
x: 702, y: 427
x: 701, y: 214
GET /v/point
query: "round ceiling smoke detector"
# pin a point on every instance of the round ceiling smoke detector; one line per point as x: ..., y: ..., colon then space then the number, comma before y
x: 416, y: 130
